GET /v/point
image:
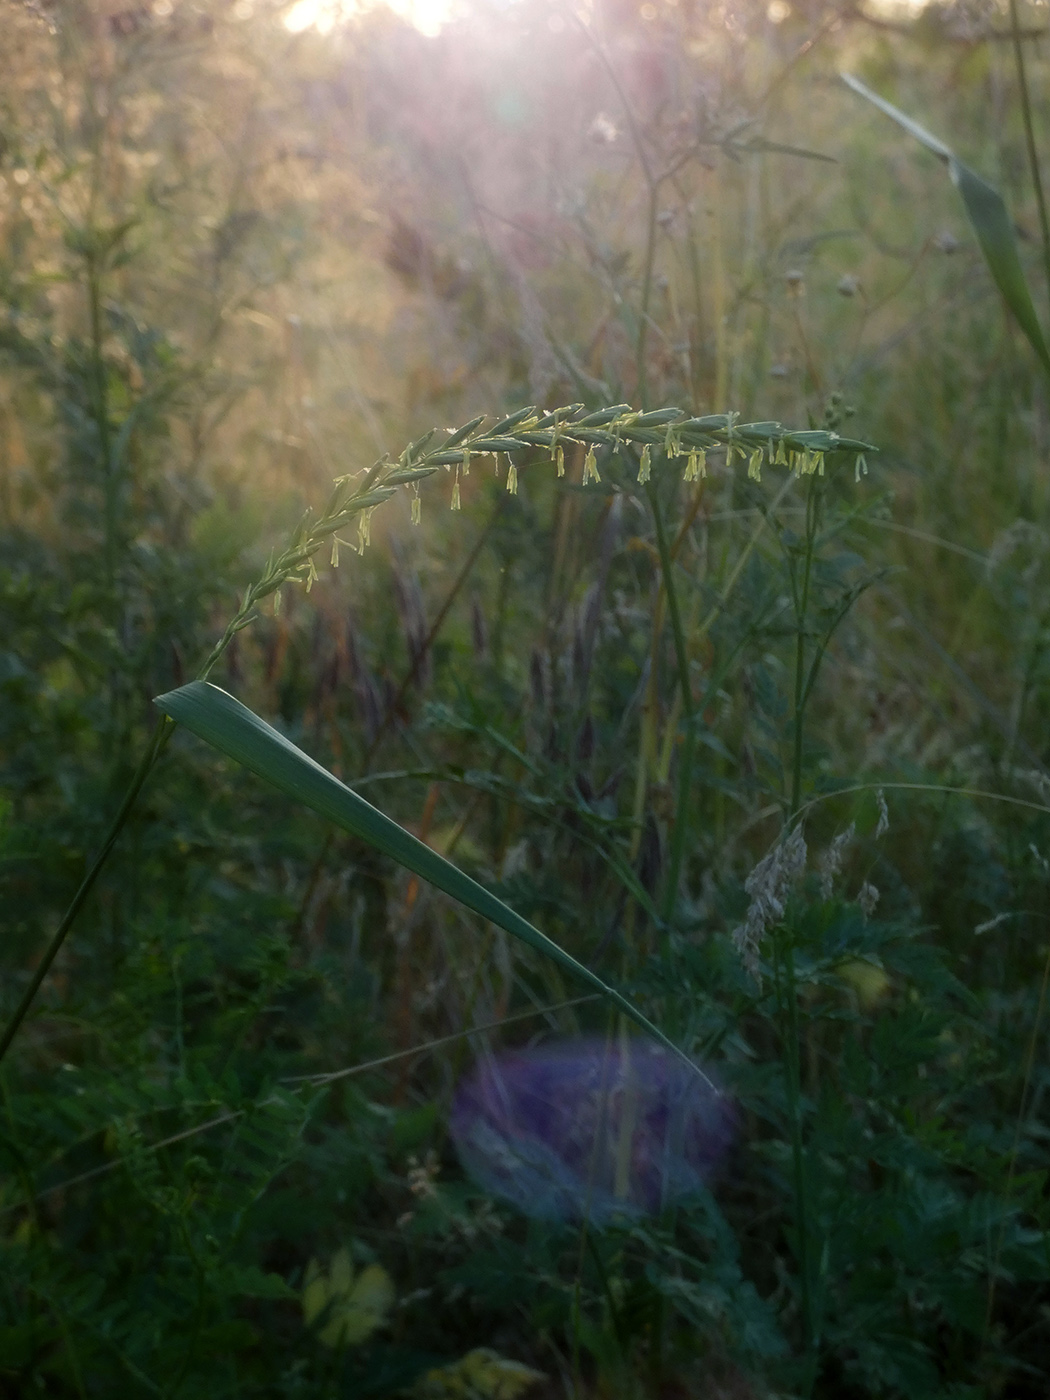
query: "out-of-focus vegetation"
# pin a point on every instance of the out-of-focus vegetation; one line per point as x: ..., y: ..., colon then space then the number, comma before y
x: 237, y: 262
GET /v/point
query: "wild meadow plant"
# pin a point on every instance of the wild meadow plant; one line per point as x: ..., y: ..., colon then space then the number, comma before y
x: 654, y: 773
x: 670, y: 432
x: 641, y: 453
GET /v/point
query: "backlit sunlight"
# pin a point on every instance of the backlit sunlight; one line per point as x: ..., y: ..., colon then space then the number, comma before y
x: 428, y: 16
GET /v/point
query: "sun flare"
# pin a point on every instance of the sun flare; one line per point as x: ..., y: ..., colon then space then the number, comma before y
x: 428, y: 16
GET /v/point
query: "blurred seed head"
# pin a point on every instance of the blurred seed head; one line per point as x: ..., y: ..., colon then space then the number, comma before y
x: 831, y: 861
x: 884, y: 815
x: 868, y: 899
x: 769, y: 886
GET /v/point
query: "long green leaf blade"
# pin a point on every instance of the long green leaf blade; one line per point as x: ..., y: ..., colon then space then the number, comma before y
x: 988, y: 216
x: 236, y: 731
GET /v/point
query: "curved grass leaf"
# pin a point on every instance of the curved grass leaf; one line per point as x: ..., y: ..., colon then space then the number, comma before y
x: 987, y: 214
x: 234, y: 730
x: 758, y: 145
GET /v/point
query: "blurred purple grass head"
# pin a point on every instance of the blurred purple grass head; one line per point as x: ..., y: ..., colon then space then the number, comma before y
x: 590, y: 1128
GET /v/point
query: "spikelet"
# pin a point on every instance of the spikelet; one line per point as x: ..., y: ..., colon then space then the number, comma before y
x: 696, y: 467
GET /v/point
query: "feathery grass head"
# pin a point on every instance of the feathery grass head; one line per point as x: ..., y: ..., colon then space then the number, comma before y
x: 657, y: 436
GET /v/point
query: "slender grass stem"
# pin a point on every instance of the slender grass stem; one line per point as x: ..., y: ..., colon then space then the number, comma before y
x: 1029, y: 136
x: 394, y: 705
x: 786, y: 953
x: 647, y: 292
x: 1033, y: 1043
x: 801, y: 689
x: 100, y: 391
x: 161, y: 736
x: 687, y: 756
x: 798, y: 1162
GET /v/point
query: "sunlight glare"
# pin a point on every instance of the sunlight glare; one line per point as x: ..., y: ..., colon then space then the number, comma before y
x: 428, y: 16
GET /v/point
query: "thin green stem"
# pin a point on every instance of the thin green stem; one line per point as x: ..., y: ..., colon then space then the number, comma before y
x: 1033, y: 1044
x: 787, y: 953
x: 647, y: 291
x: 161, y: 735
x: 688, y: 754
x: 745, y: 555
x: 100, y: 390
x: 653, y: 182
x: 393, y: 707
x: 802, y: 609
x: 1029, y: 136
x: 798, y: 1165
x: 980, y: 793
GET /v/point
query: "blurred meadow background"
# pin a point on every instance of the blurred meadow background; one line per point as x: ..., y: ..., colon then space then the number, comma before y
x: 753, y: 727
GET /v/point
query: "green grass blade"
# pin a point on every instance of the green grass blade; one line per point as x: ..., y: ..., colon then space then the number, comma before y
x: 234, y: 730
x: 758, y: 145
x: 987, y: 214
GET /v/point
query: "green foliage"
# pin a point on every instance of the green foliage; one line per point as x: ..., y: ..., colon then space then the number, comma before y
x: 761, y: 752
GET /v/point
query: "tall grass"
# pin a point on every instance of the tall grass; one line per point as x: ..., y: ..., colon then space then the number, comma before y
x: 755, y: 743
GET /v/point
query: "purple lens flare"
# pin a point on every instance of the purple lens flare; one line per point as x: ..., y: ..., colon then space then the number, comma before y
x: 590, y: 1128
